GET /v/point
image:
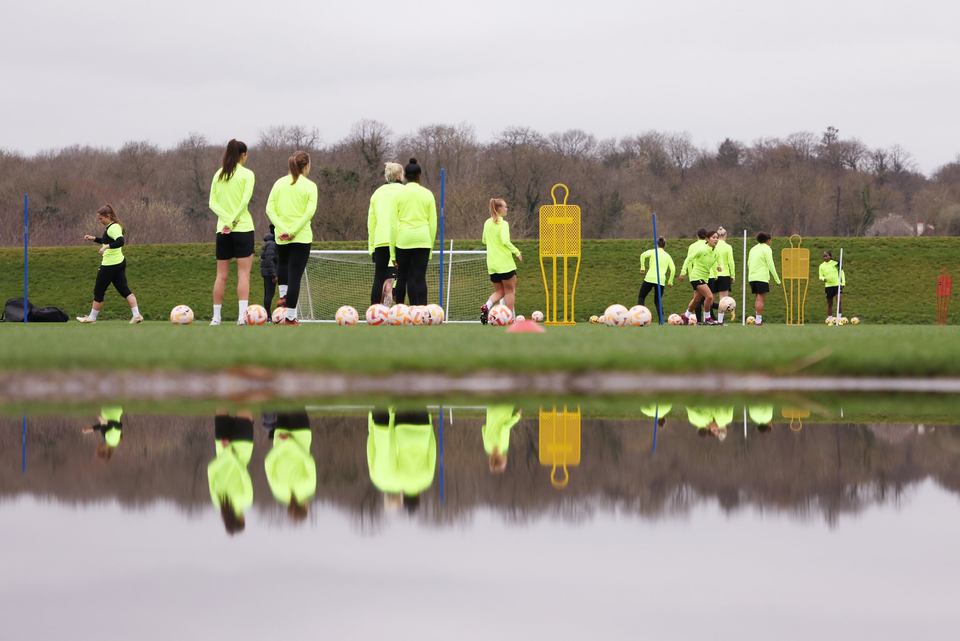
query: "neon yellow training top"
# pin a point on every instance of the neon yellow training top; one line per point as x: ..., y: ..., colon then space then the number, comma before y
x: 687, y: 264
x: 702, y: 263
x: 760, y: 414
x: 652, y: 410
x: 382, y: 217
x: 700, y: 417
x: 723, y: 414
x: 760, y: 264
x: 112, y: 256
x: 667, y: 266
x: 291, y: 207
x: 230, y: 199
x: 112, y: 415
x: 291, y: 470
x: 829, y: 274
x: 500, y: 251
x: 228, y: 477
x: 725, y: 260
x: 416, y: 219
x: 401, y: 458
x: 496, y: 431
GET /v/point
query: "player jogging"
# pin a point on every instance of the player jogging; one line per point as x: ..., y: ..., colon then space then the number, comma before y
x: 759, y: 269
x: 113, y: 266
x: 381, y: 227
x: 500, y: 253
x: 702, y: 262
x: 726, y: 271
x: 290, y: 207
x: 667, y: 271
x: 230, y: 195
x: 833, y: 282
x: 687, y: 263
x: 496, y: 434
x: 416, y: 232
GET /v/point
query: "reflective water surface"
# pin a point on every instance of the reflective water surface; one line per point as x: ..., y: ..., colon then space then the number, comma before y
x: 655, y: 517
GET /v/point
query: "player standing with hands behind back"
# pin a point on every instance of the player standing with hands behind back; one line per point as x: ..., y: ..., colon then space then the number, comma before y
x: 833, y: 282
x: 759, y: 268
x: 500, y: 253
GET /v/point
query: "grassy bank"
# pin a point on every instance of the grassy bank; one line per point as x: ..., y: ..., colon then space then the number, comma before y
x: 889, y: 280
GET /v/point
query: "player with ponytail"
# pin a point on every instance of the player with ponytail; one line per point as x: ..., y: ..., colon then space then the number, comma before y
x: 113, y: 266
x: 412, y: 239
x: 500, y: 253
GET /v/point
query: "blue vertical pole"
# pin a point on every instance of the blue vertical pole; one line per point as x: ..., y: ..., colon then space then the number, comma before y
x: 441, y: 448
x: 656, y: 418
x: 656, y: 255
x: 443, y: 182
x: 26, y: 244
x: 23, y: 464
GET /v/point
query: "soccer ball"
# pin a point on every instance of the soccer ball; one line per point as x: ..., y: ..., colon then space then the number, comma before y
x: 639, y: 316
x: 256, y: 315
x: 347, y: 315
x: 830, y: 320
x: 397, y: 313
x: 602, y: 320
x: 854, y: 321
x: 537, y: 317
x: 843, y: 321
x: 751, y: 320
x: 501, y: 316
x: 675, y: 319
x: 727, y: 304
x: 692, y: 320
x: 278, y: 315
x: 616, y: 315
x: 520, y: 318
x: 594, y: 319
x: 181, y: 315
x: 435, y: 313
x: 418, y: 315
x: 377, y: 314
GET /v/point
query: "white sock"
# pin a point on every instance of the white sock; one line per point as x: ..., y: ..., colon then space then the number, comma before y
x: 291, y: 313
x: 136, y: 310
x: 283, y: 291
x: 759, y: 318
x: 491, y: 302
x: 94, y: 313
x: 243, y: 308
x: 720, y: 317
x: 216, y: 312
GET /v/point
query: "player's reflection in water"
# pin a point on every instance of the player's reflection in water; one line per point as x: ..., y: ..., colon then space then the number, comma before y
x: 401, y: 455
x: 111, y: 427
x: 711, y: 420
x: 291, y: 470
x: 230, y: 486
x: 762, y: 415
x: 496, y: 434
x: 658, y: 411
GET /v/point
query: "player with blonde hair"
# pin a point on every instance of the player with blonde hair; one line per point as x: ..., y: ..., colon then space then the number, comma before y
x: 500, y: 253
x: 381, y: 226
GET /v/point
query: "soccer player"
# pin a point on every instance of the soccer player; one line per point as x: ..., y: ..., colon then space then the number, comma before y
x: 702, y: 262
x: 416, y: 232
x: 291, y: 469
x: 759, y: 268
x: 658, y: 411
x: 113, y: 267
x: 500, y: 253
x: 762, y: 415
x: 290, y: 207
x: 496, y: 434
x: 268, y: 268
x: 833, y: 282
x: 688, y: 265
x: 111, y: 427
x: 381, y: 227
x: 702, y: 418
x: 401, y: 454
x: 231, y: 488
x: 667, y: 271
x: 230, y: 195
x: 726, y: 271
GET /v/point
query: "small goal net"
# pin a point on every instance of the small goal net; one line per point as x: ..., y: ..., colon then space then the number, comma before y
x: 334, y: 278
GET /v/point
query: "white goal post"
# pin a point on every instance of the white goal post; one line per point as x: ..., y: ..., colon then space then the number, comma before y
x: 334, y: 278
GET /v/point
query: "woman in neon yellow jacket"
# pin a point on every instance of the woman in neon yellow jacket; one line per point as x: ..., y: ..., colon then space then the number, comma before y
x: 496, y: 433
x: 231, y: 488
x: 401, y: 454
x: 230, y: 195
x: 412, y: 244
x: 702, y: 260
x: 290, y: 207
x: 833, y: 282
x: 381, y: 227
x: 110, y: 425
x: 760, y: 267
x: 291, y: 469
x: 726, y: 272
x: 500, y: 253
x: 113, y: 266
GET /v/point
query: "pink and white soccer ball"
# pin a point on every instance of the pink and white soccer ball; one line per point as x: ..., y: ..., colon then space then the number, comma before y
x: 537, y: 316
x: 278, y: 315
x: 436, y: 315
x: 255, y: 315
x: 727, y: 304
x: 181, y: 315
x: 675, y: 319
x: 616, y: 315
x: 397, y: 314
x: 347, y: 315
x: 378, y: 315
x: 501, y: 316
x: 520, y: 318
x: 418, y: 315
x: 639, y: 316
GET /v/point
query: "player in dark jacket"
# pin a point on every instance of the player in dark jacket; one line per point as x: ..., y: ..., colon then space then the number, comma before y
x: 268, y: 269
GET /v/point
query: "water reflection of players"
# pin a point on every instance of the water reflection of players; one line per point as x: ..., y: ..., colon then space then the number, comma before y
x: 111, y: 427
x: 658, y: 411
x: 401, y: 455
x: 710, y: 420
x: 291, y: 469
x: 496, y: 434
x: 762, y: 415
x: 230, y: 486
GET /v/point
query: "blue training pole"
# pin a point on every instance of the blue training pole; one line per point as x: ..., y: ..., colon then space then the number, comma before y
x: 656, y: 418
x: 443, y: 182
x: 441, y: 446
x: 26, y: 262
x: 656, y: 255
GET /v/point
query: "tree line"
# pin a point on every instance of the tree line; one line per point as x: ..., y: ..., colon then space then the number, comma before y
x: 806, y: 183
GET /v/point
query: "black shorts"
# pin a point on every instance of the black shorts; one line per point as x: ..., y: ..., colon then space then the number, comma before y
x: 111, y: 274
x: 233, y: 428
x: 499, y: 278
x: 697, y: 283
x: 236, y: 244
x: 720, y: 284
x: 759, y: 287
x: 831, y: 292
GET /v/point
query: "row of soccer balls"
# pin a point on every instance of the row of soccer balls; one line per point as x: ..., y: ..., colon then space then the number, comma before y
x: 255, y: 315
x: 842, y: 320
x: 640, y: 316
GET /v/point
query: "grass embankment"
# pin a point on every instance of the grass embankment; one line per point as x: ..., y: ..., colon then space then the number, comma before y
x: 860, y: 351
x: 889, y: 280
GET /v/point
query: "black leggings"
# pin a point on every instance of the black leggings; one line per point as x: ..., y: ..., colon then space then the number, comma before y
x: 269, y: 289
x: 645, y: 289
x: 116, y: 274
x: 412, y: 274
x: 381, y: 266
x: 291, y: 263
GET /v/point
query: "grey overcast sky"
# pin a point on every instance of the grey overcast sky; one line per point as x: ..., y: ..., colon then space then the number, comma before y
x: 102, y: 72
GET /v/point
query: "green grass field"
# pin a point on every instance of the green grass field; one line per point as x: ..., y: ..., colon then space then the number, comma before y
x: 889, y: 280
x: 816, y: 349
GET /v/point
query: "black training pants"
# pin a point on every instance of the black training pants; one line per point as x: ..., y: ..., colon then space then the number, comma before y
x: 269, y: 289
x: 645, y: 289
x: 291, y: 263
x: 412, y: 274
x: 381, y: 267
x: 115, y: 274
